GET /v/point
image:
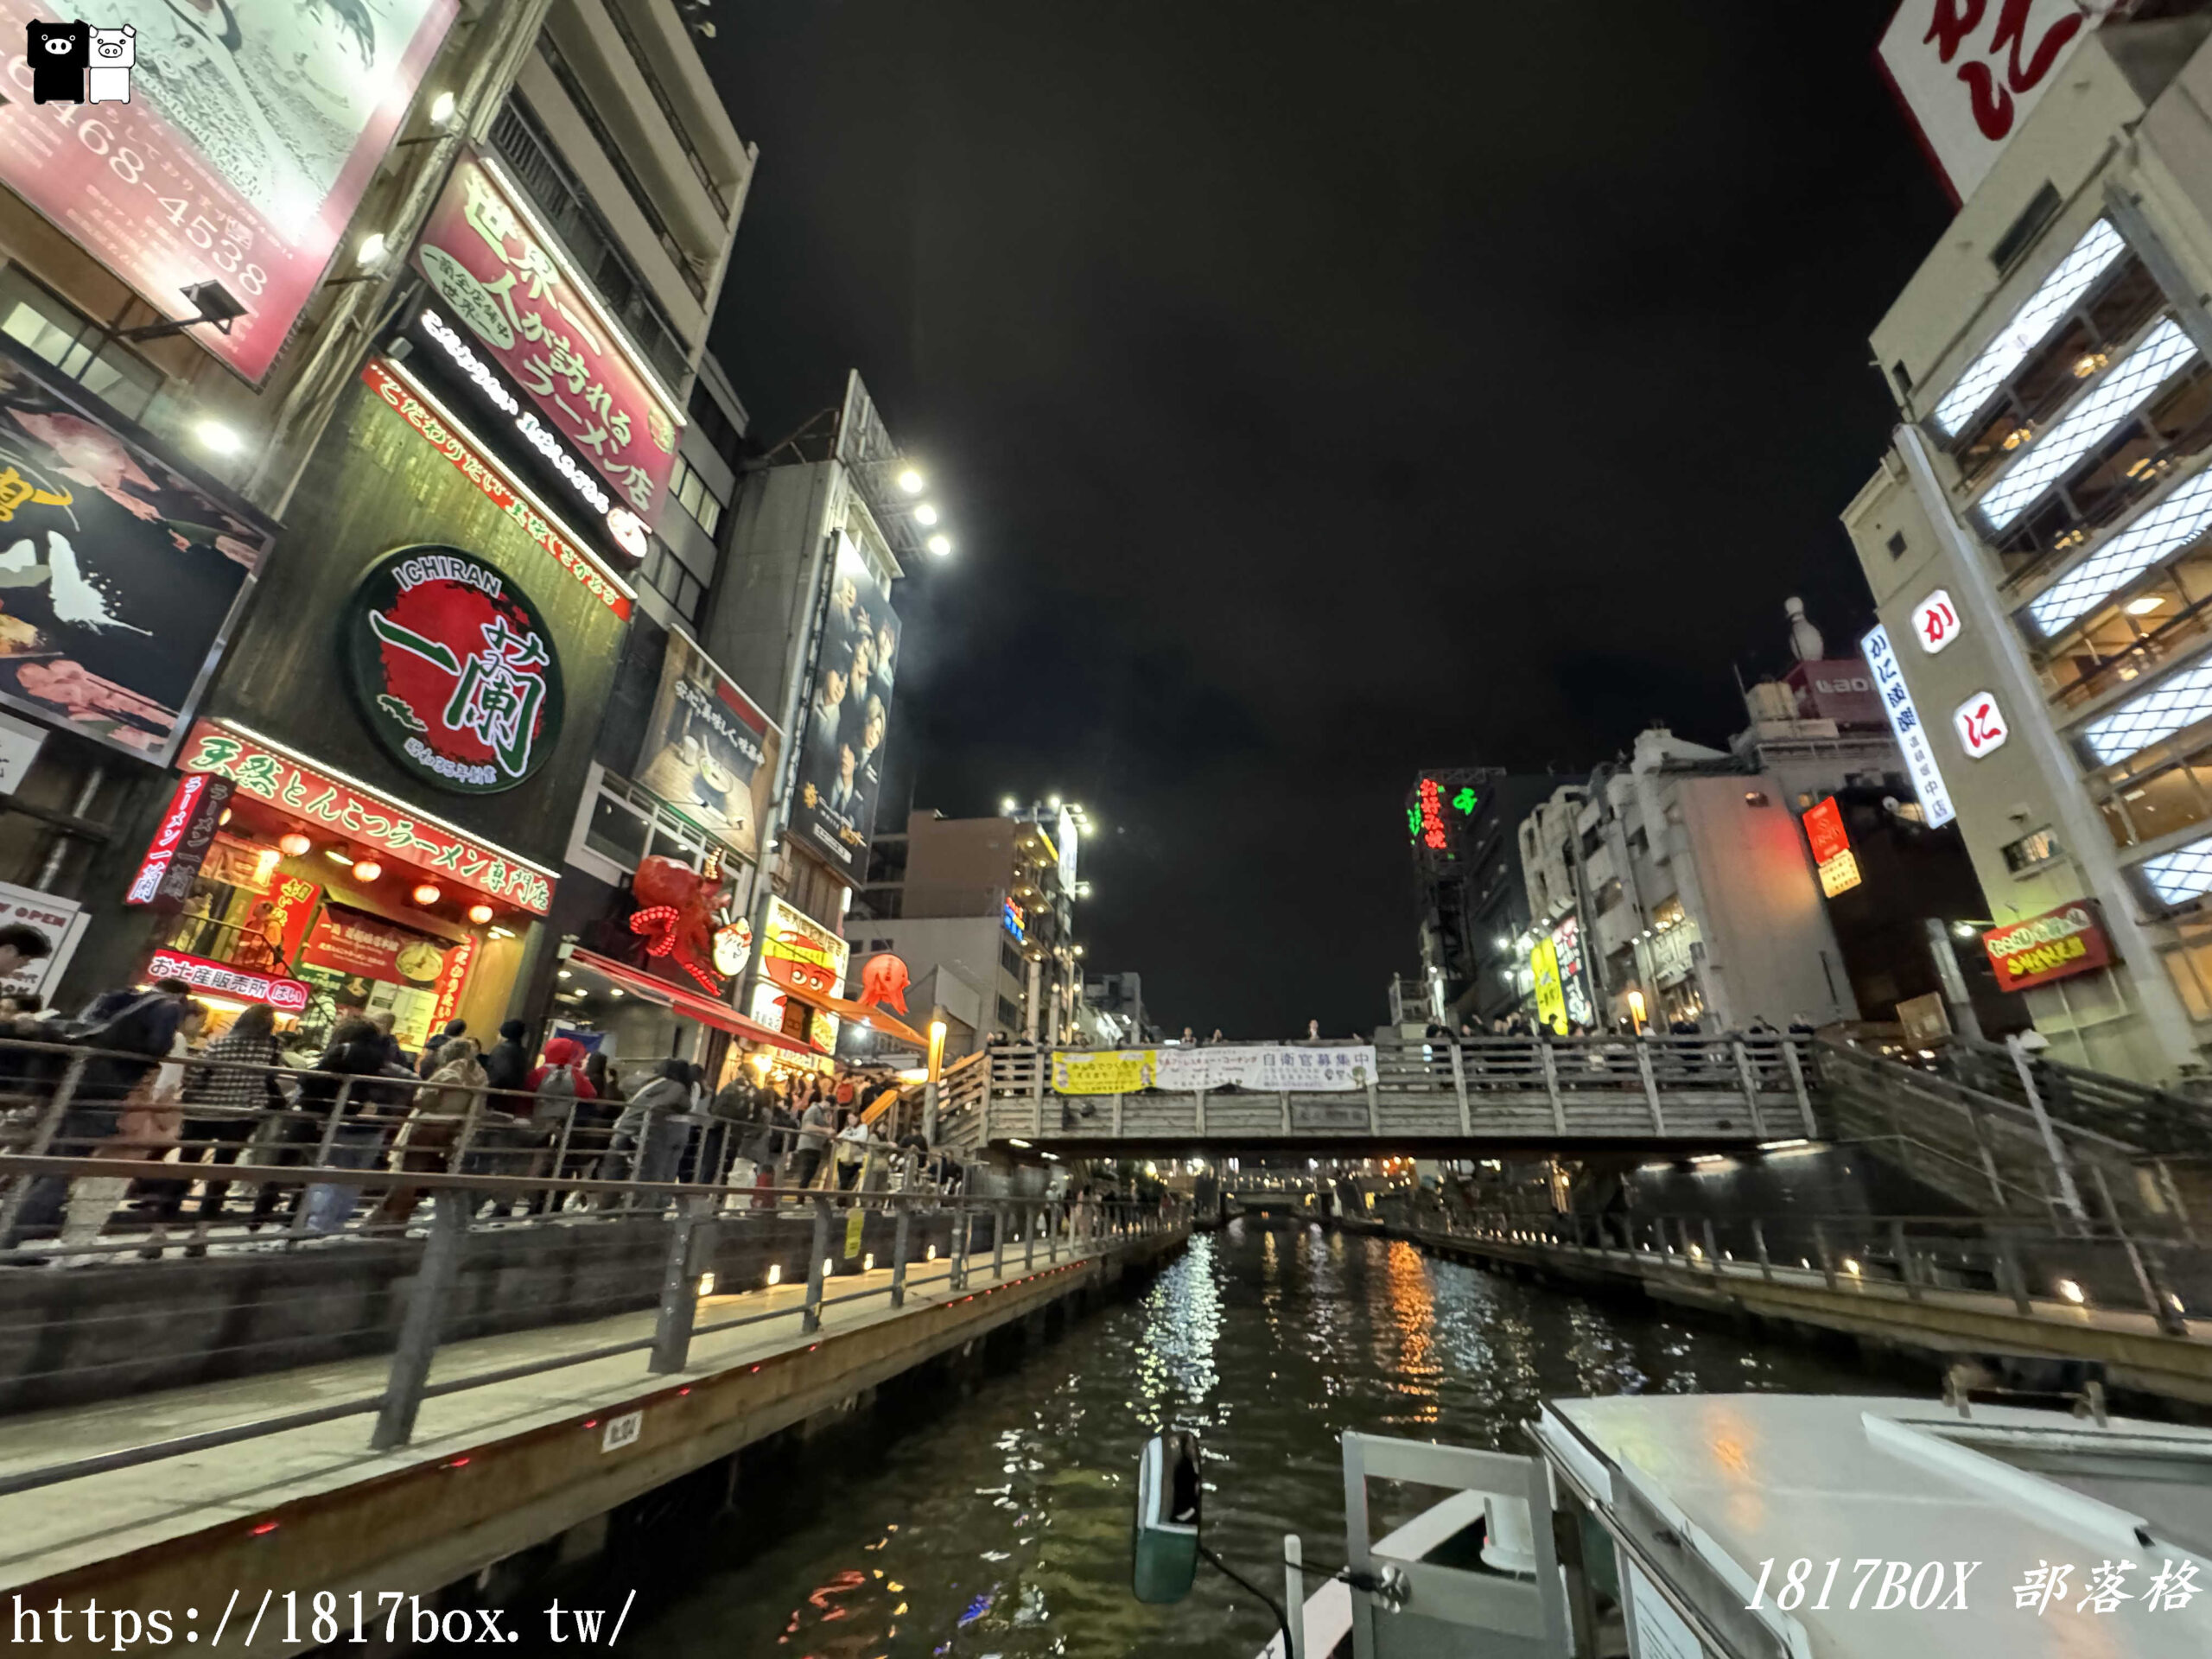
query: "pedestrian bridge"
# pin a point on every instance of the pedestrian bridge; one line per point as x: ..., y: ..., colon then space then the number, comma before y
x: 1448, y: 1095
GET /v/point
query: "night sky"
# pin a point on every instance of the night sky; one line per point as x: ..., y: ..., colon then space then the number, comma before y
x: 1317, y: 392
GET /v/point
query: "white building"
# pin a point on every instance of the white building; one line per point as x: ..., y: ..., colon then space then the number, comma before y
x: 2036, y: 536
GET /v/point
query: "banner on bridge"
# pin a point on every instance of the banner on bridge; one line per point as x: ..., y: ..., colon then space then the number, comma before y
x: 1263, y: 1068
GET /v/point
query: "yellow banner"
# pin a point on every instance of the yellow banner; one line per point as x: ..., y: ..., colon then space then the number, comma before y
x: 1104, y: 1072
x: 1551, y: 995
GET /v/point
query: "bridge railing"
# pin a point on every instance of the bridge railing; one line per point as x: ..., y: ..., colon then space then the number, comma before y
x: 2038, y: 1270
x: 1655, y: 1088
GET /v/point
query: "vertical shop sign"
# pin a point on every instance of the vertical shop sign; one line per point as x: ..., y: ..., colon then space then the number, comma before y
x: 181, y: 842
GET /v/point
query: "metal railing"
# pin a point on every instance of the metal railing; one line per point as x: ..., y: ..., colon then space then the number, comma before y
x: 2040, y: 1271
x: 694, y: 1216
x: 1649, y: 1088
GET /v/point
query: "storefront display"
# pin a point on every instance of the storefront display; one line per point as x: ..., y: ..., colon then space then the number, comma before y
x: 356, y: 960
x: 802, y: 963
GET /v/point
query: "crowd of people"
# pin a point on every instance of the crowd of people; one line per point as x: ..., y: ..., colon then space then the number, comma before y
x: 130, y: 1080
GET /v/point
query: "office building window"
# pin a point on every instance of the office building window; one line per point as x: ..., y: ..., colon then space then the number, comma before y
x: 665, y: 575
x: 714, y: 426
x: 36, y: 317
x: 1009, y: 1014
x: 694, y: 495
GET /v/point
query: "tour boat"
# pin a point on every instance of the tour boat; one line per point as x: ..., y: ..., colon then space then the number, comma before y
x: 1773, y: 1526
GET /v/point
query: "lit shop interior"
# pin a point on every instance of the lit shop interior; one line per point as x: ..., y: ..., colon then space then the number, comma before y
x: 360, y: 929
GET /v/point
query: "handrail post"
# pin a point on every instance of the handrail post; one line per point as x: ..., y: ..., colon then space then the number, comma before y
x: 1118, y: 1117
x: 1202, y: 1114
x: 1037, y: 1094
x: 1549, y: 1060
x: 1750, y: 1081
x: 679, y: 1299
x: 1758, y: 1244
x: 956, y: 1246
x: 1651, y: 1087
x: 1285, y: 1111
x: 1711, y: 1249
x: 1375, y: 1113
x: 2150, y: 1285
x: 998, y: 1239
x: 418, y: 1331
x: 1459, y: 1087
x: 1796, y: 1062
x: 898, y: 1246
x: 2009, y: 1274
x: 1988, y: 1156
x: 1052, y: 1233
x: 1902, y: 1250
x: 2068, y: 1194
x: 817, y: 1259
x: 1028, y: 1237
x: 1828, y: 1256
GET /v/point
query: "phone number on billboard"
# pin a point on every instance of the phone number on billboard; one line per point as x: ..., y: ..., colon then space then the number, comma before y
x: 129, y: 161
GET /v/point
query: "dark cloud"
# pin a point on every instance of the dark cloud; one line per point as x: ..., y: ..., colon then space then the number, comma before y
x: 1317, y: 391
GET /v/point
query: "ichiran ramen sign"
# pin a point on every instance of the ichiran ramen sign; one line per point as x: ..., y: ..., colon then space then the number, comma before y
x: 453, y: 668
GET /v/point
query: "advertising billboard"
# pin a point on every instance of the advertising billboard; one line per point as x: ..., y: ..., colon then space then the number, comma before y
x: 2053, y: 945
x: 241, y: 146
x: 119, y: 576
x: 710, y: 753
x: 1904, y: 721
x: 1551, y: 1000
x: 1566, y: 952
x: 840, y: 767
x: 799, y: 951
x: 584, y: 395
x: 1967, y: 75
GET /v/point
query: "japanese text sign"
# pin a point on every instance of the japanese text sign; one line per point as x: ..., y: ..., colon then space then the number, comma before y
x: 1934, y: 622
x: 1824, y: 829
x: 285, y: 995
x: 1968, y: 72
x: 181, y: 842
x: 512, y: 290
x: 453, y: 668
x: 1904, y: 722
x: 1980, y: 726
x: 261, y: 770
x: 236, y: 155
x: 2068, y: 940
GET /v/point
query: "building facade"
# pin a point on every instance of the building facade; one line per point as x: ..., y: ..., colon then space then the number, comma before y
x: 442, y: 433
x: 2035, y: 540
x: 990, y: 902
x: 1470, y: 891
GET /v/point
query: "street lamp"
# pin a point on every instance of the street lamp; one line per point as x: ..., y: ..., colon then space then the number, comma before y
x: 940, y: 545
x: 911, y: 481
x: 925, y: 515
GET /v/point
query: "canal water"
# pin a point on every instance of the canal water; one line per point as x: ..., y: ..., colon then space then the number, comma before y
x: 995, y: 1519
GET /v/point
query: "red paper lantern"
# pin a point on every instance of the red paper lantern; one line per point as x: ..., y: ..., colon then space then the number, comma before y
x: 427, y: 894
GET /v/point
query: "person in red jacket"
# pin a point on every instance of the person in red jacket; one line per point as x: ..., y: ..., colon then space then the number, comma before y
x: 559, y: 1083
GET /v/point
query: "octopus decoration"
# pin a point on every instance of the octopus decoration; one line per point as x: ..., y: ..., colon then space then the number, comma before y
x: 683, y: 913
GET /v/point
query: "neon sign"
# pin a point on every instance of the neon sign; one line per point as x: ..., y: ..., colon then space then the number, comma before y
x: 1425, y: 822
x: 1010, y: 913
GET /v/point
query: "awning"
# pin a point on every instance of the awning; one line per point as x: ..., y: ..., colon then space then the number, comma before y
x: 689, y: 1004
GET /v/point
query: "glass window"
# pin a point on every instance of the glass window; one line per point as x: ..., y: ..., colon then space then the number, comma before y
x: 618, y: 831
x: 35, y: 316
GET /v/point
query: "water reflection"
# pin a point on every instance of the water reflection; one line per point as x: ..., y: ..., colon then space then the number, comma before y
x: 996, y: 1522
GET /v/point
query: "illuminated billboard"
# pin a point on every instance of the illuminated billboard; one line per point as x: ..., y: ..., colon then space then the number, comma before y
x: 246, y: 142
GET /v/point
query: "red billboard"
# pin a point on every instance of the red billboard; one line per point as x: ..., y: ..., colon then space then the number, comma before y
x: 1841, y: 690
x: 507, y: 284
x: 2059, y: 943
x: 235, y: 153
x: 1824, y: 829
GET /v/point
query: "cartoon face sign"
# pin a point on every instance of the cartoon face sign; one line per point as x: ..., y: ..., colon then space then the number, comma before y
x: 56, y: 46
x: 115, y: 48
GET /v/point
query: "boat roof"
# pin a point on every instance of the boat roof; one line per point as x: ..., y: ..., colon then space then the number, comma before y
x: 1744, y: 1478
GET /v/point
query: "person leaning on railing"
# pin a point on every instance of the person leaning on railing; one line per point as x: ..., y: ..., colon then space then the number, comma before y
x: 226, y: 1093
x: 442, y: 1108
x: 648, y: 1142
x: 131, y: 1030
x: 356, y: 1066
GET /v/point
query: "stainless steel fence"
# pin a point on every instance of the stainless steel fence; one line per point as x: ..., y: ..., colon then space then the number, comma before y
x: 2042, y: 1271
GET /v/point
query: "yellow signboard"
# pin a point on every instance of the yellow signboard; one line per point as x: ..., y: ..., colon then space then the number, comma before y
x: 1104, y: 1072
x: 1551, y: 995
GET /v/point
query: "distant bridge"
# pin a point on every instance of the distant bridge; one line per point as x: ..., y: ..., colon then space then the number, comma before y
x: 1443, y: 1097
